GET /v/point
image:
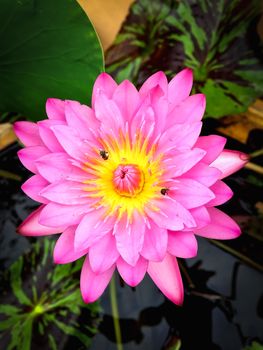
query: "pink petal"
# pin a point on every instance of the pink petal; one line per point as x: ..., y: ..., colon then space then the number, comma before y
x: 92, y: 227
x: 55, y: 109
x: 157, y: 79
x: 213, y: 145
x: 48, y: 136
x: 222, y: 194
x: 168, y: 213
x: 160, y: 107
x: 103, y: 254
x: 71, y: 142
x: 181, y: 162
x: 230, y: 161
x: 108, y: 113
x: 204, y: 174
x: 57, y: 166
x: 189, y: 110
x: 55, y: 215
x: 64, y: 249
x: 29, y: 155
x: 201, y: 216
x: 180, y: 86
x: 32, y: 227
x: 130, y: 237
x: 82, y: 119
x: 179, y: 136
x: 182, y: 244
x: 92, y: 285
x: 66, y: 192
x: 27, y: 133
x: 155, y: 243
x: 33, y: 186
x: 221, y: 226
x: 190, y: 193
x: 104, y: 83
x: 132, y: 275
x: 127, y: 99
x: 143, y: 121
x: 166, y: 275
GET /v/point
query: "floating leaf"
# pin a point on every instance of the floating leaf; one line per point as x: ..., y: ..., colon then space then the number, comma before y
x: 47, y: 49
x: 217, y: 39
x: 44, y: 302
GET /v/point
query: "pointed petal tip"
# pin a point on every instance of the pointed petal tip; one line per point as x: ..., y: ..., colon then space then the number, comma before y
x: 31, y: 226
x: 166, y: 275
x: 236, y: 230
x: 104, y: 75
x: 56, y: 261
x: 202, y: 99
x: 125, y: 85
x: 55, y: 108
x: 132, y: 275
x: 17, y: 126
x: 24, y: 127
x: 25, y: 229
x: 92, y: 285
x: 186, y: 75
x: 53, y: 102
x: 182, y: 244
x: 228, y: 162
x: 223, y: 193
x: 104, y: 82
x: 155, y: 80
x: 221, y: 227
x: 88, y: 299
x: 160, y: 74
x: 20, y: 231
x: 188, y: 71
x: 179, y: 301
x: 176, y: 299
x: 244, y: 157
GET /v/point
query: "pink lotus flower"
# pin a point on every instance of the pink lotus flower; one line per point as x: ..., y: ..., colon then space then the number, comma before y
x: 128, y: 182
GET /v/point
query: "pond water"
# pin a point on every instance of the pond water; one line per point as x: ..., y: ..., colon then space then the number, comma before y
x: 223, y: 306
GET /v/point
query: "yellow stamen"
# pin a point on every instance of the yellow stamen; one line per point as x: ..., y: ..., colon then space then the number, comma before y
x: 124, y: 151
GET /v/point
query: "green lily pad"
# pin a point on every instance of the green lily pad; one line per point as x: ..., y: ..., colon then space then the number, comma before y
x: 47, y: 49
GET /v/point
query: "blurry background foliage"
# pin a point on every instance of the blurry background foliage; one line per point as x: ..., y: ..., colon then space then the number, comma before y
x: 47, y: 49
x: 217, y: 39
x: 254, y: 346
x: 44, y: 307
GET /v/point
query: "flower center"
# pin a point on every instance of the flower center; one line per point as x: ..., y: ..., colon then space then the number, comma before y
x: 128, y: 180
x: 125, y: 174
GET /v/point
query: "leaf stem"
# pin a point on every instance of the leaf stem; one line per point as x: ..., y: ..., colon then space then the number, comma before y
x: 115, y: 313
x: 240, y: 256
x: 257, y: 153
x: 9, y: 175
x: 254, y: 167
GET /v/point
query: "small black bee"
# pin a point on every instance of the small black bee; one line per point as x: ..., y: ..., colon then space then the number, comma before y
x: 104, y: 154
x: 164, y: 191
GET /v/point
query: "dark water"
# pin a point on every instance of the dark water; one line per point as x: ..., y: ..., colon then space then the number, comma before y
x: 223, y: 306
